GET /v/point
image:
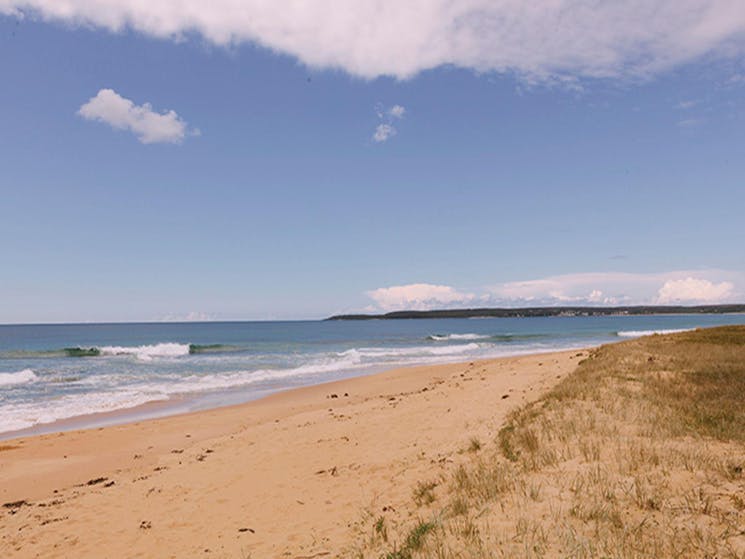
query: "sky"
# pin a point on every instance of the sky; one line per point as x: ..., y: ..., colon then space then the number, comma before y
x: 184, y: 160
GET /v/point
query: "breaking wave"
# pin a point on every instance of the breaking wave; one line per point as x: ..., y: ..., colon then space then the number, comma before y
x: 211, y: 348
x: 492, y: 337
x: 448, y: 337
x: 148, y: 352
x: 375, y: 353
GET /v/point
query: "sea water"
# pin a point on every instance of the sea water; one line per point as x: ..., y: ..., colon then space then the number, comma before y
x: 50, y: 373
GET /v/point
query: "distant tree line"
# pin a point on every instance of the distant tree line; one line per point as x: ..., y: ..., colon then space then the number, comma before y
x: 547, y: 311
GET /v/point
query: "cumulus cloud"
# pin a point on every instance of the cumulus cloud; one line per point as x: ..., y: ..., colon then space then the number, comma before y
x: 418, y: 296
x: 596, y: 296
x: 385, y: 130
x: 692, y: 290
x: 397, y: 111
x: 682, y: 287
x: 148, y: 125
x: 543, y: 40
x: 620, y: 288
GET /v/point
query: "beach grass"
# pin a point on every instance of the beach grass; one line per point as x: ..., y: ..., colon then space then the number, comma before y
x: 638, y: 453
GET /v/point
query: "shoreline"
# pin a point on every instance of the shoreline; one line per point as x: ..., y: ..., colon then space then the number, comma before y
x: 182, y: 404
x: 148, y: 411
x: 227, y: 479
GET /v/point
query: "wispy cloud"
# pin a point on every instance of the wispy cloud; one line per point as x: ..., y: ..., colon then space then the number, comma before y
x: 631, y: 39
x: 685, y: 105
x: 691, y: 122
x: 193, y: 316
x: 149, y: 126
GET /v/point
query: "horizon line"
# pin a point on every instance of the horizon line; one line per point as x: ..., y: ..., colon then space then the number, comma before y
x: 382, y: 314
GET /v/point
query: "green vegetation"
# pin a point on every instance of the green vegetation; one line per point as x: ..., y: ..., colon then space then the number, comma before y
x: 414, y: 541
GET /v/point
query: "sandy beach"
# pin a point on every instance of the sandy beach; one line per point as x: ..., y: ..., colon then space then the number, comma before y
x: 290, y: 475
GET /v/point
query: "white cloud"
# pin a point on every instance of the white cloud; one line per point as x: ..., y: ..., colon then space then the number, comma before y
x: 383, y: 132
x: 548, y: 40
x: 149, y: 126
x: 684, y: 287
x: 685, y: 105
x: 596, y: 296
x: 397, y: 111
x: 620, y: 288
x: 588, y: 288
x: 692, y: 290
x: 418, y: 296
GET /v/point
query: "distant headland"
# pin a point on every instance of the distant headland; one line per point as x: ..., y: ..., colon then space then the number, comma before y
x: 546, y: 311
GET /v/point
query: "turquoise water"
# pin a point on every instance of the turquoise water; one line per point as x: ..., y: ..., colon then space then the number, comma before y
x: 50, y: 373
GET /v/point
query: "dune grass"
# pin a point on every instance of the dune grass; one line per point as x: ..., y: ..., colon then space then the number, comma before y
x: 639, y: 453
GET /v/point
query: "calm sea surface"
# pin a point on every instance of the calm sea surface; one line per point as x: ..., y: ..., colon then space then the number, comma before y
x: 50, y: 373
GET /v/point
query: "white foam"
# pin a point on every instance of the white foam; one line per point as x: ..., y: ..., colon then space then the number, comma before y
x: 377, y: 353
x: 446, y: 337
x: 27, y: 414
x: 118, y: 392
x: 148, y: 352
x: 638, y: 333
x: 21, y: 377
x: 344, y: 361
x: 194, y: 383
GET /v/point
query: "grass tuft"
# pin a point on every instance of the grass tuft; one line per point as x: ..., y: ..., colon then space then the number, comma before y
x: 414, y: 541
x: 424, y: 493
x: 474, y: 445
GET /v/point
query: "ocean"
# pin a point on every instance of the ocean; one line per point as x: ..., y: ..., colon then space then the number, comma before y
x: 61, y: 376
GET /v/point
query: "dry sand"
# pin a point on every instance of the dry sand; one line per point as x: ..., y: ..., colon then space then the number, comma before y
x: 286, y: 476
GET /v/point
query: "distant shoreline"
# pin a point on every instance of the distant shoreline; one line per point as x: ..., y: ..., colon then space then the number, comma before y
x: 523, y: 312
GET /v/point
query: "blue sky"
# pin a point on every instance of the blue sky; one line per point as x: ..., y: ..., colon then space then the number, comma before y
x: 607, y: 175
